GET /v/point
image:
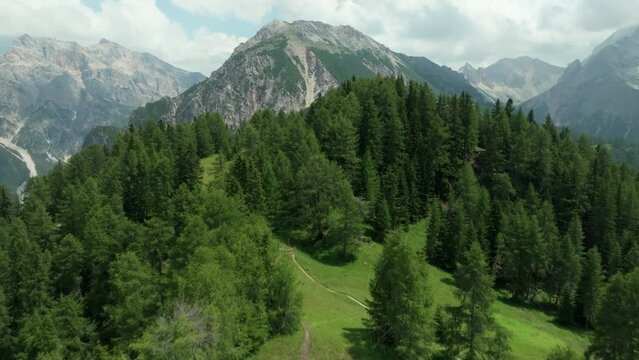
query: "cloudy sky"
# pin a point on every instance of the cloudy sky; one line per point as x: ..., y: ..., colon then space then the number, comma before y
x: 199, y: 35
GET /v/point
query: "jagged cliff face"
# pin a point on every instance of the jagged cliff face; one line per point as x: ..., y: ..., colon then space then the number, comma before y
x: 599, y: 96
x: 286, y: 66
x: 519, y: 79
x: 53, y: 92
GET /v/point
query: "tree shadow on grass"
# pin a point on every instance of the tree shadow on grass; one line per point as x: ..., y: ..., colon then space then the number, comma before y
x: 541, y: 306
x: 545, y: 307
x: 448, y: 281
x: 362, y: 345
x: 327, y: 255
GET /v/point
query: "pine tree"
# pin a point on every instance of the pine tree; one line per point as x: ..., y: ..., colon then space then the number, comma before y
x: 471, y: 331
x: 399, y: 313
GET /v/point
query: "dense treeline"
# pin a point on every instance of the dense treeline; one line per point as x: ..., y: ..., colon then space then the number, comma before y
x: 553, y: 215
x: 144, y: 261
x: 122, y: 253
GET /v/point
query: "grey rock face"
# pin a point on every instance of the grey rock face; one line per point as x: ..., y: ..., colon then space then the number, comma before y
x: 599, y: 96
x: 519, y: 79
x: 285, y: 66
x: 53, y: 92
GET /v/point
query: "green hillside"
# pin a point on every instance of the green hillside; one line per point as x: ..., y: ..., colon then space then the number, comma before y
x: 336, y: 323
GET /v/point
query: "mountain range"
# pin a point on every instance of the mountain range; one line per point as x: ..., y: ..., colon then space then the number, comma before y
x: 285, y: 66
x: 599, y: 96
x: 518, y: 79
x: 53, y: 92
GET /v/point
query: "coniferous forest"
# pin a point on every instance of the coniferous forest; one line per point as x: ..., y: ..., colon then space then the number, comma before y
x: 125, y: 252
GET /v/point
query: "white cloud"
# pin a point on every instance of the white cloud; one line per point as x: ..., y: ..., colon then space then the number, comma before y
x: 449, y: 32
x: 455, y: 31
x: 248, y: 10
x: 136, y: 24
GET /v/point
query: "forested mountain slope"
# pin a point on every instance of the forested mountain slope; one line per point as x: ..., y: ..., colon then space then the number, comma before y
x: 147, y: 262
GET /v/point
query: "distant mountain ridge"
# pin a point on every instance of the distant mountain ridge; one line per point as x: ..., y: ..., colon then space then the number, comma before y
x: 53, y: 92
x: 285, y: 66
x: 519, y: 79
x: 599, y: 96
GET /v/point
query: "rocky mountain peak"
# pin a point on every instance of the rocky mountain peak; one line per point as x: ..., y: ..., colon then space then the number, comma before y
x: 286, y: 65
x: 599, y: 95
x: 622, y: 37
x: 52, y: 92
x: 518, y: 78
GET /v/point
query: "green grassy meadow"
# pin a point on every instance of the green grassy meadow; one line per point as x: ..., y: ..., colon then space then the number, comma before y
x: 337, y: 323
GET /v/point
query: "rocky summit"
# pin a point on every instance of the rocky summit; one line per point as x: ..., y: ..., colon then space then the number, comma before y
x: 285, y: 66
x: 518, y: 79
x: 53, y: 92
x: 599, y: 96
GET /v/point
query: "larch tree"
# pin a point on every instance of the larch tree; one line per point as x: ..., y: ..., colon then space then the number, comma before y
x: 399, y: 314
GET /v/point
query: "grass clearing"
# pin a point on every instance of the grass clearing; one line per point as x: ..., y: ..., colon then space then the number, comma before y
x: 212, y: 168
x: 337, y: 327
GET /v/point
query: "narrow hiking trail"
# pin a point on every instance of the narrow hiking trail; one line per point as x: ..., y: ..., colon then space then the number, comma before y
x: 292, y: 252
x: 306, y: 344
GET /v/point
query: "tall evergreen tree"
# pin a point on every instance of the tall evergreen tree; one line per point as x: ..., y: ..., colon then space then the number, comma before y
x: 435, y: 233
x: 591, y: 286
x: 523, y: 253
x: 471, y: 331
x: 616, y: 334
x: 399, y: 313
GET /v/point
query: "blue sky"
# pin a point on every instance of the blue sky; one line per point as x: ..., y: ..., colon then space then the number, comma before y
x: 199, y: 35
